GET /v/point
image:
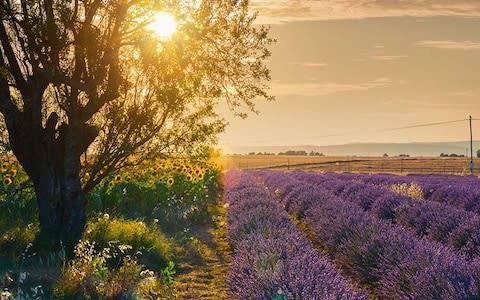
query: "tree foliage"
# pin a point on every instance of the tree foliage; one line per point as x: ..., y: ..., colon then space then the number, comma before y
x: 95, y: 63
x: 89, y: 76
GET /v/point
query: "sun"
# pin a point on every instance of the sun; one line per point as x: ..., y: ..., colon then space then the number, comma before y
x: 163, y: 24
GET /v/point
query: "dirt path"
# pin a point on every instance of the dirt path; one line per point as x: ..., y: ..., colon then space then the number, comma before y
x: 203, y: 267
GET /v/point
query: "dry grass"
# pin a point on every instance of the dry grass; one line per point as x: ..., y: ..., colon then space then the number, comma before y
x: 395, y: 165
x: 203, y: 267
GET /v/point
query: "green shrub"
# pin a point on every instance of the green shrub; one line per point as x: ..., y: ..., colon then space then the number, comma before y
x: 175, y: 192
x: 88, y: 277
x: 156, y: 249
x: 14, y: 242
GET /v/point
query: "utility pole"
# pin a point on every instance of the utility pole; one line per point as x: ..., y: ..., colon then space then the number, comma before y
x: 471, y: 147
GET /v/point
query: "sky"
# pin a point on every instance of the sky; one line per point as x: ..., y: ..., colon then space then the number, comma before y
x: 345, y: 70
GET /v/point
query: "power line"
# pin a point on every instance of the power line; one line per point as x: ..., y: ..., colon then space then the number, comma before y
x: 379, y: 130
x: 393, y: 128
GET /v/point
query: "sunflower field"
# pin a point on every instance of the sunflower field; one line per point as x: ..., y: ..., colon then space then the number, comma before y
x: 138, y: 221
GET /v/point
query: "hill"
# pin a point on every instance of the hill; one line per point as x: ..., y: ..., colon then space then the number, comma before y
x: 369, y: 149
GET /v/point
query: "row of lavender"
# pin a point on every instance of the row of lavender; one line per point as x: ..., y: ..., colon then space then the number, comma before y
x: 271, y: 253
x: 460, y: 191
x: 391, y: 260
x: 456, y: 228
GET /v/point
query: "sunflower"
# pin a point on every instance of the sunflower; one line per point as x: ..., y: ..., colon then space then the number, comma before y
x: 110, y: 184
x: 170, y: 181
x: 118, y: 178
x: 4, y: 167
x: 200, y: 176
x: 7, y: 181
x: 189, y: 177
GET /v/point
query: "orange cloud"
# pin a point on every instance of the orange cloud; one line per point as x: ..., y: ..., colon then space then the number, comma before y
x: 309, y: 64
x: 450, y: 45
x: 388, y: 57
x: 280, y: 11
x: 326, y: 88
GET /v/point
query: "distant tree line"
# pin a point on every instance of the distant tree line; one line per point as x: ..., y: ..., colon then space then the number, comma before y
x: 289, y: 152
x: 301, y: 153
x: 453, y: 155
x: 261, y: 153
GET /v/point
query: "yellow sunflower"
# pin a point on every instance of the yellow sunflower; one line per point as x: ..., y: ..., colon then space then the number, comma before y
x: 170, y: 181
x: 7, y: 181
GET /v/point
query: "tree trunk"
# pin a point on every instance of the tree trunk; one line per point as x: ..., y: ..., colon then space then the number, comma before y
x: 61, y: 202
x: 51, y: 159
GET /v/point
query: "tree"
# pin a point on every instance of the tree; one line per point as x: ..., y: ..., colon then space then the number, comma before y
x: 90, y: 77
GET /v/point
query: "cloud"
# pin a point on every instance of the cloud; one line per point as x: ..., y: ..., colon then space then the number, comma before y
x: 388, y: 57
x: 281, y: 11
x: 464, y: 93
x: 450, y: 45
x: 327, y: 88
x: 308, y: 64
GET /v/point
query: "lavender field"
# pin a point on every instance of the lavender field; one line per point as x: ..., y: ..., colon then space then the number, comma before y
x: 352, y: 236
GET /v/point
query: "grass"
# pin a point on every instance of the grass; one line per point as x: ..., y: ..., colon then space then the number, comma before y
x: 395, y: 165
x: 152, y: 233
x: 156, y: 248
x: 203, y: 267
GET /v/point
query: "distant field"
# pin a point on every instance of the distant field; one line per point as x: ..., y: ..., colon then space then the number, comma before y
x: 395, y: 165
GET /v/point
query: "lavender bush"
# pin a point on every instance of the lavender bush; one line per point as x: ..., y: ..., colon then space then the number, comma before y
x: 440, y: 222
x: 391, y: 260
x: 270, y: 252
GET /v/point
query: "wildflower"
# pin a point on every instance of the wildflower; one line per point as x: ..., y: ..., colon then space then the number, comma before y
x: 170, y: 181
x: 6, y: 295
x: 7, y: 181
x: 22, y: 277
x: 124, y: 247
x: 118, y: 178
x: 189, y: 177
x: 147, y: 273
